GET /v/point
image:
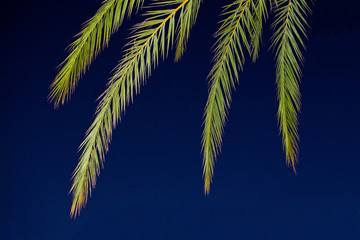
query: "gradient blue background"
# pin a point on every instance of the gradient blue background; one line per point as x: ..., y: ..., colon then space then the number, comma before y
x: 151, y: 187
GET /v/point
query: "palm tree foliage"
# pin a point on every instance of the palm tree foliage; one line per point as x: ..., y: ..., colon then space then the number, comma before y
x: 240, y: 29
x: 168, y: 23
x: 94, y: 36
x: 290, y: 26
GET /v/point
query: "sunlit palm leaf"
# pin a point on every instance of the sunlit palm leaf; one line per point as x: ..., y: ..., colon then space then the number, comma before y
x: 94, y: 36
x: 150, y: 41
x: 240, y: 30
x: 290, y: 25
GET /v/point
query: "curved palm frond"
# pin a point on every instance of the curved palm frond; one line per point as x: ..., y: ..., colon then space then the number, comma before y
x: 94, y: 36
x: 151, y: 39
x: 290, y: 25
x: 237, y: 31
x: 260, y: 16
x: 188, y: 15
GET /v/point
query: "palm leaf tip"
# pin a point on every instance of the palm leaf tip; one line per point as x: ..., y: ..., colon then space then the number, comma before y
x: 207, y: 186
x: 80, y: 189
x: 208, y: 171
x: 291, y: 153
x: 292, y: 161
x: 77, y: 205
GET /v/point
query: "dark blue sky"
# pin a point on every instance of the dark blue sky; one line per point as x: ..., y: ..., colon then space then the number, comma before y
x: 151, y: 187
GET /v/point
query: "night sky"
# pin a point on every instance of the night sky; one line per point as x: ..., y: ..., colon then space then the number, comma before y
x: 151, y: 186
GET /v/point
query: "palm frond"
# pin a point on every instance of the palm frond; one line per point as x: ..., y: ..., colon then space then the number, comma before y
x: 237, y: 31
x: 188, y: 15
x: 290, y: 25
x: 150, y: 41
x: 94, y: 36
x: 260, y: 17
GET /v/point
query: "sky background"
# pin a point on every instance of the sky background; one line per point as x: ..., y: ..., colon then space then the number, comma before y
x: 151, y: 187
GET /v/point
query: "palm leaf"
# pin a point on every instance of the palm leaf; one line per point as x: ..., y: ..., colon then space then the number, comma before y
x: 188, y: 18
x: 150, y: 41
x: 239, y: 30
x: 94, y: 36
x: 260, y: 16
x: 290, y: 25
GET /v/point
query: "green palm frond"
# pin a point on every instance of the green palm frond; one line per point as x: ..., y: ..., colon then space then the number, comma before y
x: 188, y: 15
x: 150, y: 41
x: 237, y: 31
x: 94, y: 36
x: 290, y: 26
x: 260, y: 17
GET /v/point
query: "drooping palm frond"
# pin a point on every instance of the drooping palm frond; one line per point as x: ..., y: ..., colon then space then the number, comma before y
x: 94, y: 36
x: 290, y: 26
x: 150, y: 41
x: 238, y: 31
x: 260, y: 17
x: 188, y: 15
